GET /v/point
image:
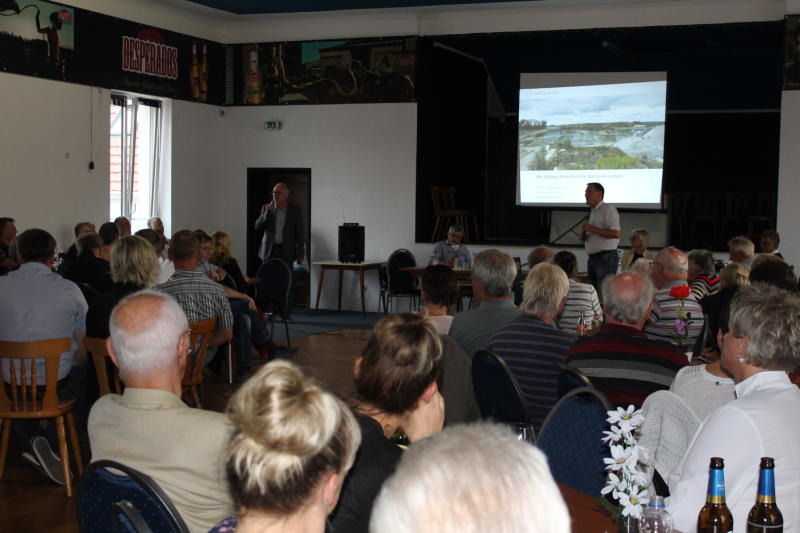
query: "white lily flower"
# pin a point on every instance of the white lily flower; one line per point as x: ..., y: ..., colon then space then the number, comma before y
x: 621, y: 457
x: 628, y: 419
x: 632, y: 503
x: 615, y: 435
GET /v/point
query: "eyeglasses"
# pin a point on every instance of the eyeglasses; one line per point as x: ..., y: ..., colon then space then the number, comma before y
x: 205, y: 248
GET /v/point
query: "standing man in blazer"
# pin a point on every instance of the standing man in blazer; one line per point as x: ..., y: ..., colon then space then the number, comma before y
x: 282, y: 226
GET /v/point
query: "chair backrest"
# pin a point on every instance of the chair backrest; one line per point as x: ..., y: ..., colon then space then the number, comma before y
x: 199, y: 339
x: 571, y: 438
x: 105, y: 369
x: 667, y: 430
x: 498, y: 394
x: 20, y: 366
x: 398, y: 280
x: 89, y: 292
x: 569, y: 379
x: 275, y: 284
x: 436, y: 199
x: 229, y: 282
x: 115, y: 497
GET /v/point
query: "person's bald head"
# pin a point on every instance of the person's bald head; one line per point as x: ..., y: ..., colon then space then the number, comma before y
x: 627, y: 299
x: 670, y: 264
x: 540, y: 254
x: 281, y: 194
x: 146, y: 334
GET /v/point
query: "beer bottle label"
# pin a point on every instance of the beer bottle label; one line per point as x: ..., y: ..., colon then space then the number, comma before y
x: 716, y: 487
x: 766, y: 486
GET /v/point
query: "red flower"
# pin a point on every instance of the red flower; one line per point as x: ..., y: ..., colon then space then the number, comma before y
x: 681, y: 291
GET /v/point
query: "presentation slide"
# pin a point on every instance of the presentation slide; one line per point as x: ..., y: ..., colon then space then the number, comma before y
x: 576, y: 128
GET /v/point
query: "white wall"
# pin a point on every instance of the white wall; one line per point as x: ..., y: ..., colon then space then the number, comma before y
x: 366, y: 151
x: 45, y: 153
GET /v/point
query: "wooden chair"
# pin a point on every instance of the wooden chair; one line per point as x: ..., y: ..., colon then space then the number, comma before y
x: 103, y: 366
x: 199, y: 339
x: 20, y: 398
x: 444, y: 208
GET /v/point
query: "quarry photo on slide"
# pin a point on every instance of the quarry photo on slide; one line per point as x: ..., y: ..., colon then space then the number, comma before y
x: 601, y: 127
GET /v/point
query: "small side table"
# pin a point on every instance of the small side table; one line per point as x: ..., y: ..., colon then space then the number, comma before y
x: 341, y: 267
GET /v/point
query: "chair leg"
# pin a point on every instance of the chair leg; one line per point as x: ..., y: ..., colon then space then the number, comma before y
x: 76, y: 447
x: 6, y: 426
x: 196, y: 397
x: 230, y: 363
x: 288, y: 338
x: 63, y: 454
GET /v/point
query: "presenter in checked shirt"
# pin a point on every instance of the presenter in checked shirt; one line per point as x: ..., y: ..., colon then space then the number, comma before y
x: 600, y: 237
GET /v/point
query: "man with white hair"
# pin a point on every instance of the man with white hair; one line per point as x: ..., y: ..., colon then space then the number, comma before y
x: 148, y: 427
x: 531, y: 344
x: 493, y: 274
x: 620, y: 360
x: 742, y: 250
x: 503, y: 485
x: 669, y: 271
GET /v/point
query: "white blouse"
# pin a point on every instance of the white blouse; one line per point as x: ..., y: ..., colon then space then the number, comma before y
x: 702, y: 390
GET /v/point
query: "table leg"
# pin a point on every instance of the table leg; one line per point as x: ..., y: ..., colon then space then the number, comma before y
x: 319, y: 285
x: 341, y: 275
x: 361, y: 279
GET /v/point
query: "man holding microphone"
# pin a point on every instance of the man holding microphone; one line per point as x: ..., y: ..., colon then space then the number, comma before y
x: 601, y: 237
x: 282, y: 227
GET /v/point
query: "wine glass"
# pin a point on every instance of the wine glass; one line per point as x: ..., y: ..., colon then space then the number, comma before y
x: 524, y: 432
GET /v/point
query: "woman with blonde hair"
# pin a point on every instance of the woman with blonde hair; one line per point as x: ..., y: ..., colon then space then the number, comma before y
x: 292, y: 444
x: 395, y: 390
x: 221, y: 257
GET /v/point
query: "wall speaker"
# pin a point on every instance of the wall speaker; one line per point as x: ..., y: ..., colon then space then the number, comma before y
x: 351, y: 243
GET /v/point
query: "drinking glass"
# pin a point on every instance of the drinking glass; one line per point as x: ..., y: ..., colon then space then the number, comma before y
x: 524, y: 432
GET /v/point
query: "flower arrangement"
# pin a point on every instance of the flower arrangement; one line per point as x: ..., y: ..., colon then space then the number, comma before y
x: 681, y: 329
x: 625, y: 481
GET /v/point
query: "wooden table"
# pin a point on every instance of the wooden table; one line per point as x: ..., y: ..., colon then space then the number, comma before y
x: 461, y: 273
x: 341, y: 267
x: 587, y: 515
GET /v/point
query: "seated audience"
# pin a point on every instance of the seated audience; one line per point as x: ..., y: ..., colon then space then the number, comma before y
x: 38, y: 304
x: 731, y: 278
x: 109, y: 232
x: 451, y: 251
x: 148, y: 427
x: 620, y: 360
x: 762, y: 344
x: 770, y: 243
x: 639, y: 240
x: 531, y: 345
x: 741, y: 250
x: 199, y: 297
x: 704, y: 387
x: 66, y: 258
x: 8, y: 231
x: 455, y: 386
x: 158, y: 242
x: 292, y: 444
x: 493, y: 274
x: 89, y: 267
x: 124, y: 225
x: 211, y: 270
x: 134, y: 266
x: 503, y: 485
x: 702, y: 274
x: 395, y: 389
x: 221, y: 257
x: 156, y: 225
x: 668, y: 271
x: 773, y: 271
x: 439, y: 293
x: 540, y: 254
x: 582, y: 298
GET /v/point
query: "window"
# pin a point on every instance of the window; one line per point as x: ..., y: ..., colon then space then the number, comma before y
x: 136, y: 125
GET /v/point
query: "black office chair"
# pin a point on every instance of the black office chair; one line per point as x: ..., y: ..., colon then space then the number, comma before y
x: 115, y: 497
x: 273, y: 290
x: 401, y: 284
x: 498, y: 394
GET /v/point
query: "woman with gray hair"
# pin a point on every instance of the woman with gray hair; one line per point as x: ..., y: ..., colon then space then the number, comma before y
x: 292, y: 445
x: 639, y: 241
x: 761, y: 346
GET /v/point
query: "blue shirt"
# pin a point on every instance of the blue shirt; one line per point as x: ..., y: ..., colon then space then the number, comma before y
x: 38, y: 304
x: 443, y: 252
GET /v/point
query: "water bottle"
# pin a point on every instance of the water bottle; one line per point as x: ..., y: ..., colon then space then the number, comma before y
x: 655, y: 518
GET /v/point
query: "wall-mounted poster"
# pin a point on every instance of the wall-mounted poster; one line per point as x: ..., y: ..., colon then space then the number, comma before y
x: 37, y: 37
x: 328, y: 72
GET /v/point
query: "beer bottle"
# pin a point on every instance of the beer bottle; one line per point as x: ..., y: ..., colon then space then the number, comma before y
x: 765, y: 517
x: 715, y: 517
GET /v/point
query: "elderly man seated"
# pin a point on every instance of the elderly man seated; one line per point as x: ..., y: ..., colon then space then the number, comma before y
x: 493, y: 274
x: 450, y: 251
x: 148, y: 427
x: 620, y: 360
x: 672, y: 302
x: 7, y: 233
x: 531, y: 345
x: 742, y: 250
x: 472, y: 478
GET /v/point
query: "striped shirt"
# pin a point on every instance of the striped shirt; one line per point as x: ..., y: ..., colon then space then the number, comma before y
x: 581, y: 300
x: 534, y: 352
x: 665, y: 312
x: 703, y: 286
x: 199, y: 297
x: 623, y: 363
